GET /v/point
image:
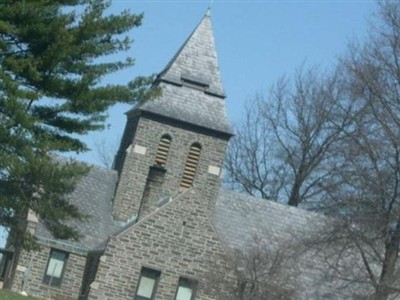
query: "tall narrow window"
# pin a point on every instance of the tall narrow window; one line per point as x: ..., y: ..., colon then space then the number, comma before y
x: 162, y: 151
x: 55, y: 267
x: 191, y: 165
x: 186, y: 289
x: 147, y: 284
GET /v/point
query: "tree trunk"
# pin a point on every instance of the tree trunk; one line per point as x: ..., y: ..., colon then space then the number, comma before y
x: 294, y: 198
x: 381, y: 293
x: 15, y: 241
x: 383, y: 290
x: 9, y: 279
x: 240, y: 292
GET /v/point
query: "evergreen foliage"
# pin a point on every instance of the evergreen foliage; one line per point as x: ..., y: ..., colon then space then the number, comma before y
x: 52, y: 61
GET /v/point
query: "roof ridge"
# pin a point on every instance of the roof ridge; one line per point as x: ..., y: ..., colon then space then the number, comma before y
x: 274, y: 203
x: 195, y: 193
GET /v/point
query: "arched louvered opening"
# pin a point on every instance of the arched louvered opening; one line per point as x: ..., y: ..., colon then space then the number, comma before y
x: 191, y: 165
x: 163, y: 149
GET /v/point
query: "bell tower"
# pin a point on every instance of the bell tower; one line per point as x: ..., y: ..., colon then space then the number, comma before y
x: 178, y: 140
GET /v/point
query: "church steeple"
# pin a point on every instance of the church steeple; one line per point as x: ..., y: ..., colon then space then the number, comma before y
x: 192, y: 85
x: 177, y: 140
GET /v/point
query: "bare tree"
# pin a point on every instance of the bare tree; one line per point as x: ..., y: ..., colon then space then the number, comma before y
x: 105, y: 151
x: 334, y: 141
x: 368, y: 199
x: 249, y: 162
x: 258, y: 272
x: 282, y: 150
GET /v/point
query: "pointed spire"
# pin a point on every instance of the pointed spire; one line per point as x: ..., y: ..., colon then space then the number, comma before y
x: 192, y: 91
x: 196, y: 61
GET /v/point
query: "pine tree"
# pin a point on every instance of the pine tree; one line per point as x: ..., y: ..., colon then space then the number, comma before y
x: 51, y: 68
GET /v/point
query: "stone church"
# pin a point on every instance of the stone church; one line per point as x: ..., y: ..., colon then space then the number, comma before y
x: 160, y: 223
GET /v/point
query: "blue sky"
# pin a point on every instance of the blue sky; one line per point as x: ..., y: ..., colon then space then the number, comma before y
x: 257, y: 43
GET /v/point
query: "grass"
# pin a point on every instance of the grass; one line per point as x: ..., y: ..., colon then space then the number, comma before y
x: 7, y: 295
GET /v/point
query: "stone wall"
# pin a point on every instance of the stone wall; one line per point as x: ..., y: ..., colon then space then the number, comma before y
x: 141, y: 157
x: 31, y: 269
x: 178, y: 240
x: 126, y: 140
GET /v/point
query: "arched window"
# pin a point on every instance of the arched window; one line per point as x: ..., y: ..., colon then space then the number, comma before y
x: 163, y: 149
x: 191, y: 165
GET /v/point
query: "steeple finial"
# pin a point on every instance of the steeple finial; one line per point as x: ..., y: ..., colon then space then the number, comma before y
x: 208, y: 11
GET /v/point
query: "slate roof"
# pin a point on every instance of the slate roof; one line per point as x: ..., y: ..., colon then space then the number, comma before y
x: 238, y: 217
x: 93, y: 196
x: 191, y: 84
x: 197, y: 59
x: 191, y: 106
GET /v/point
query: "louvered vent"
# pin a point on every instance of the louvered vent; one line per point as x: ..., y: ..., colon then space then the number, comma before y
x: 191, y: 165
x: 162, y: 151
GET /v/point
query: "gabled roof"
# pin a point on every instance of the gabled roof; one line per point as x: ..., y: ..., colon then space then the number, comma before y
x: 191, y: 84
x: 185, y: 203
x: 93, y: 196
